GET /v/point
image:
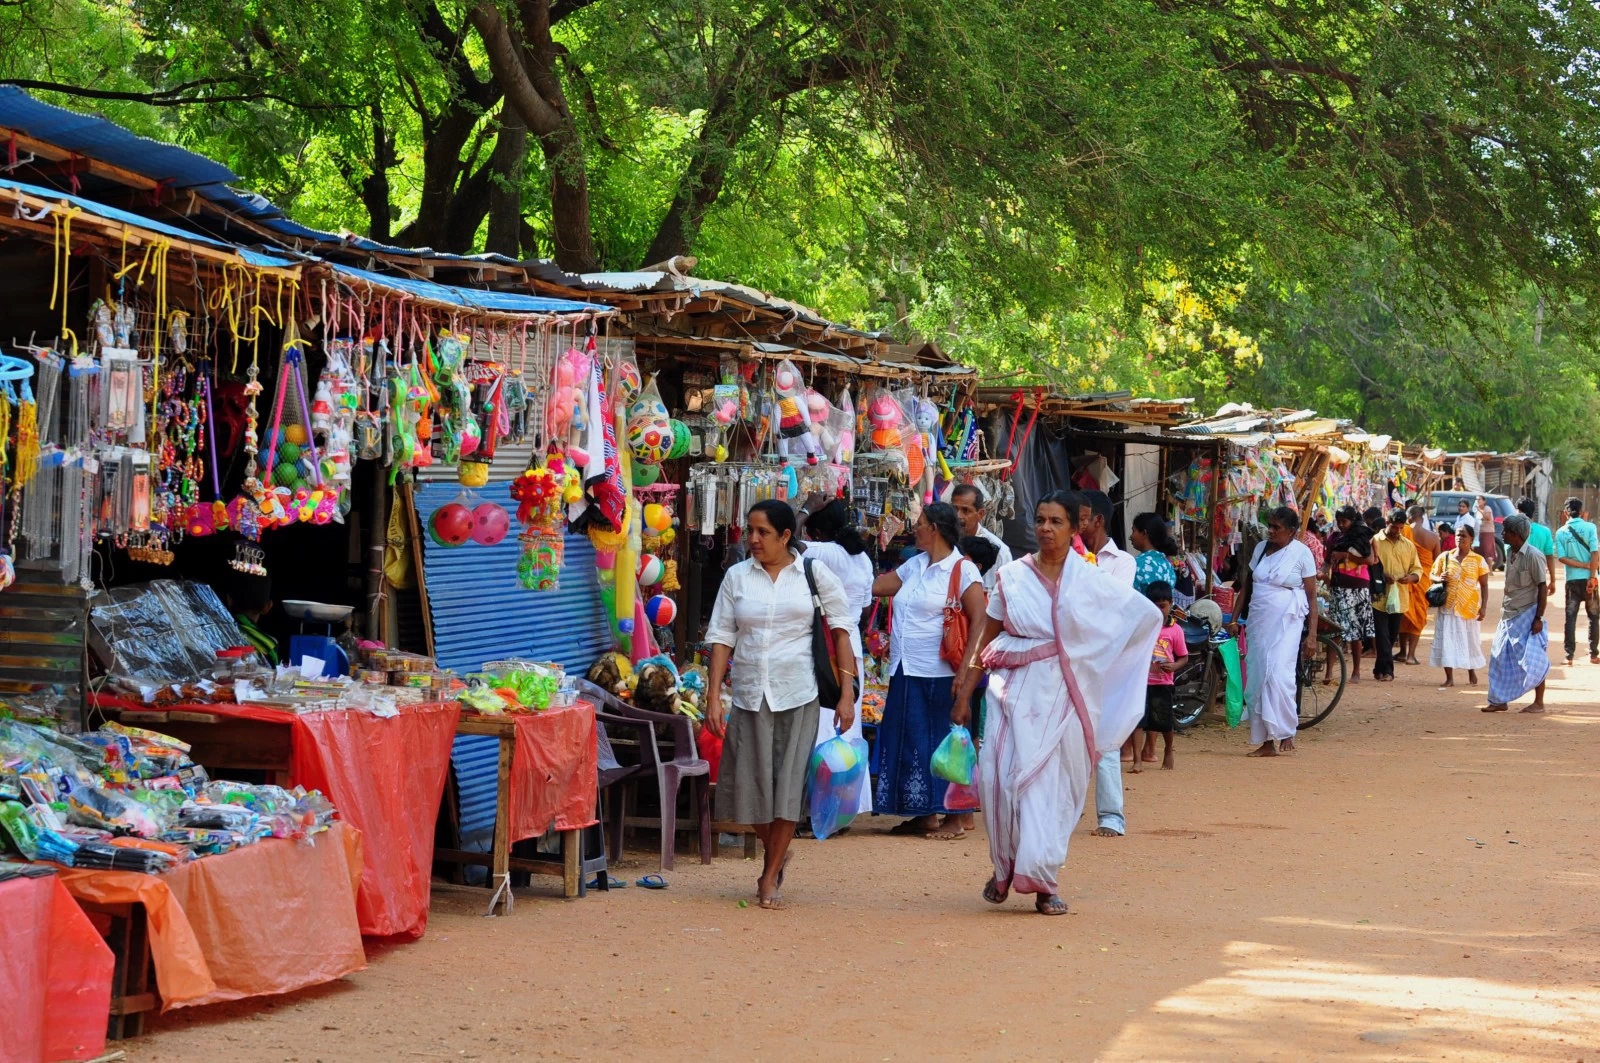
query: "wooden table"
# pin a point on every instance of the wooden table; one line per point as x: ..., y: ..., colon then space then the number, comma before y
x: 225, y: 745
x: 499, y: 860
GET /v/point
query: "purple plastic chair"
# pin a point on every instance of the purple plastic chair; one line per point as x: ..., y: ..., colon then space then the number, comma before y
x: 670, y: 772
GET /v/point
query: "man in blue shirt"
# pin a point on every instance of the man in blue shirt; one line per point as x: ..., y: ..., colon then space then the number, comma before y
x: 1579, y: 552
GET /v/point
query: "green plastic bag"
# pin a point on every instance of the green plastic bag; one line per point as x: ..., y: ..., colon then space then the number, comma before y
x: 956, y: 756
x: 1234, y: 695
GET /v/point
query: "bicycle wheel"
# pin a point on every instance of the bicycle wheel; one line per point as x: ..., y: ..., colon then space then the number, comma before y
x: 1313, y: 699
x: 1188, y: 707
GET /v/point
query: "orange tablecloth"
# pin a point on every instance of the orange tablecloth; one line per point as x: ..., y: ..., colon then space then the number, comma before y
x: 555, y: 771
x: 269, y: 918
x: 386, y: 777
x: 55, y: 975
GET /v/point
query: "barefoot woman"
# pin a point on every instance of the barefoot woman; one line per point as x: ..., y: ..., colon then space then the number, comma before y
x: 1067, y: 648
x: 1281, y: 596
x: 762, y: 624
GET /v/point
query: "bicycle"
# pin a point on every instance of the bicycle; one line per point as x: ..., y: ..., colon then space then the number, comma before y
x: 1313, y: 699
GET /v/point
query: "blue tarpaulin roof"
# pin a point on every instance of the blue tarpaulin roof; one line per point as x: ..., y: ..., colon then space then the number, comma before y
x: 102, y: 139
x: 139, y: 221
x: 469, y: 298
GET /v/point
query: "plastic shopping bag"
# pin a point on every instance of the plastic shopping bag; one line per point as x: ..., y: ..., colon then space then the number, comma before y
x: 959, y: 798
x: 838, y: 771
x: 1234, y: 695
x: 955, y: 758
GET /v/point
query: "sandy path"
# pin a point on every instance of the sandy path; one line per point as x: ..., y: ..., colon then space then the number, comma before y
x: 1414, y: 885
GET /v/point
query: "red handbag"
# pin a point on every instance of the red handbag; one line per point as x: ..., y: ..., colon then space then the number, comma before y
x: 953, y: 645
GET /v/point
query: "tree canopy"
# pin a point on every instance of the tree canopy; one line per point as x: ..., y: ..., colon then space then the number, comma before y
x: 1329, y: 203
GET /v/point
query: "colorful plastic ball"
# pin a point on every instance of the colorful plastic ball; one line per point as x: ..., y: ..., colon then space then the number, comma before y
x: 451, y: 525
x: 629, y: 381
x: 649, y: 439
x: 490, y: 524
x: 657, y: 517
x: 289, y: 452
x: 680, y: 440
x: 625, y: 626
x: 295, y: 433
x: 661, y: 610
x: 286, y: 474
x: 650, y: 570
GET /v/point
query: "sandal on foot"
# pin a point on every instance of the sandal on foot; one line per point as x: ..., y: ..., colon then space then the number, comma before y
x: 946, y: 834
x: 993, y: 893
x: 1051, y: 905
x: 909, y: 827
x: 773, y: 903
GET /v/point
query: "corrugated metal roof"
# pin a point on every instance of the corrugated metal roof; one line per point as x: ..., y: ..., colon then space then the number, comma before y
x: 469, y: 298
x: 138, y: 221
x: 103, y: 139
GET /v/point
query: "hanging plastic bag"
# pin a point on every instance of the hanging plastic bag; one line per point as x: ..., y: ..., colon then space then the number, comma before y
x: 1234, y: 695
x: 838, y: 771
x: 962, y: 798
x: 956, y: 756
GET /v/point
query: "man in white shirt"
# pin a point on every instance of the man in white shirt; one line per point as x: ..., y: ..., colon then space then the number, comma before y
x: 1466, y: 520
x: 1094, y: 514
x: 969, y: 503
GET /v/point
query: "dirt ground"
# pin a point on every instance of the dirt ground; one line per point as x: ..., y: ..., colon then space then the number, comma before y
x: 1411, y: 886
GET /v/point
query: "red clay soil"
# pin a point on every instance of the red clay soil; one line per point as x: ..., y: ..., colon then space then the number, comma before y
x: 1417, y: 883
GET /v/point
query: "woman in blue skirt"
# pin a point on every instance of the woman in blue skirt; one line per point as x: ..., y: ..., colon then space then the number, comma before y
x: 916, y: 713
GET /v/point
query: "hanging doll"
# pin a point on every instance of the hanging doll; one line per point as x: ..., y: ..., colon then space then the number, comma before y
x: 795, y: 435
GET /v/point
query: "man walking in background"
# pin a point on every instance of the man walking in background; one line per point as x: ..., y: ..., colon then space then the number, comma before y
x: 1402, y: 571
x: 1578, y: 552
x: 969, y: 504
x: 1520, y: 659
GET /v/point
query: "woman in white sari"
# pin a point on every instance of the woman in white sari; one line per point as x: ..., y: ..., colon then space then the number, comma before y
x: 1281, y: 594
x: 1068, y: 650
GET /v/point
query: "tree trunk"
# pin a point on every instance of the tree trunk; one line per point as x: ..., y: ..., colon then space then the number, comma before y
x: 726, y: 122
x: 505, y: 194
x: 375, y: 186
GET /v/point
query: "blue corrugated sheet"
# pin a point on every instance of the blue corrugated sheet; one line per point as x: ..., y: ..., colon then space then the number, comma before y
x: 480, y: 613
x: 100, y: 138
x: 469, y: 298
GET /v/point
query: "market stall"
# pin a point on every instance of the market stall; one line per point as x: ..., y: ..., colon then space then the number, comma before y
x: 55, y: 972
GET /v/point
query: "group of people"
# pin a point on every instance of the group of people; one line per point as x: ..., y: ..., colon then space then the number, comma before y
x: 1071, y: 651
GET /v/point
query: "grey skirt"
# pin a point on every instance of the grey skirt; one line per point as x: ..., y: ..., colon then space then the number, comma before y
x: 764, y: 760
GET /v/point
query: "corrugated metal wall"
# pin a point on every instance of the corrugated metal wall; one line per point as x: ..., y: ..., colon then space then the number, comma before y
x: 480, y: 613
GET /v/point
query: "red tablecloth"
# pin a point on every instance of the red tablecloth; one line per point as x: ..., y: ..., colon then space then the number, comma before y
x: 55, y: 975
x: 270, y: 918
x: 555, y: 771
x: 385, y: 776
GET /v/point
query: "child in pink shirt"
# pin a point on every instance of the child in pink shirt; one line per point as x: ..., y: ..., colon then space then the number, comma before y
x: 1168, y: 656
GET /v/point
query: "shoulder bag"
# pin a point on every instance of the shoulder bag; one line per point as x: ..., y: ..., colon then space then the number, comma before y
x: 823, y: 667
x: 953, y: 645
x: 1436, y: 594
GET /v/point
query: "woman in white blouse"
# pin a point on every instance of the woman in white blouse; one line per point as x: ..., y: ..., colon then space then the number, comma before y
x: 916, y: 714
x: 761, y: 623
x: 835, y: 543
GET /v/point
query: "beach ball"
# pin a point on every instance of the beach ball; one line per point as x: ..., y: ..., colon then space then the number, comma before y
x: 451, y: 525
x: 650, y: 570
x: 629, y: 381
x: 489, y: 524
x: 656, y: 517
x: 661, y: 610
x: 680, y: 440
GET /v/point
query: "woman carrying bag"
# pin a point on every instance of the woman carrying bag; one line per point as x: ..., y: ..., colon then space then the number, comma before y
x: 765, y: 623
x: 934, y: 593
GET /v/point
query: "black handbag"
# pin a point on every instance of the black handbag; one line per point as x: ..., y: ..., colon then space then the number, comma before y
x: 1436, y: 593
x: 822, y: 664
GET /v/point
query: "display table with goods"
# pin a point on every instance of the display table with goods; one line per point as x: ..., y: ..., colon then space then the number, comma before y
x: 55, y: 972
x: 547, y: 775
x: 230, y: 889
x: 385, y: 774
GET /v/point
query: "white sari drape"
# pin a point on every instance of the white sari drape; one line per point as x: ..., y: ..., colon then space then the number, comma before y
x: 1278, y: 609
x: 1067, y: 682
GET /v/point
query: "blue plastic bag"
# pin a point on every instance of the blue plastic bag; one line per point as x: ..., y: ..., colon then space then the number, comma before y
x: 838, y: 771
x: 956, y: 756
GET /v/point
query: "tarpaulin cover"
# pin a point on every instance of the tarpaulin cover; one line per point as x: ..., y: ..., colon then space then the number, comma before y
x: 55, y: 975
x: 555, y: 774
x: 271, y: 917
x: 386, y: 776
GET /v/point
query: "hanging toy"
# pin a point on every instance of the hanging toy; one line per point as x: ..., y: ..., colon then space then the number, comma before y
x: 649, y: 428
x: 669, y: 577
x: 451, y: 525
x: 651, y: 570
x: 887, y: 418
x: 661, y: 610
x: 795, y: 436
x: 248, y: 559
x: 629, y: 383
x: 490, y: 524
